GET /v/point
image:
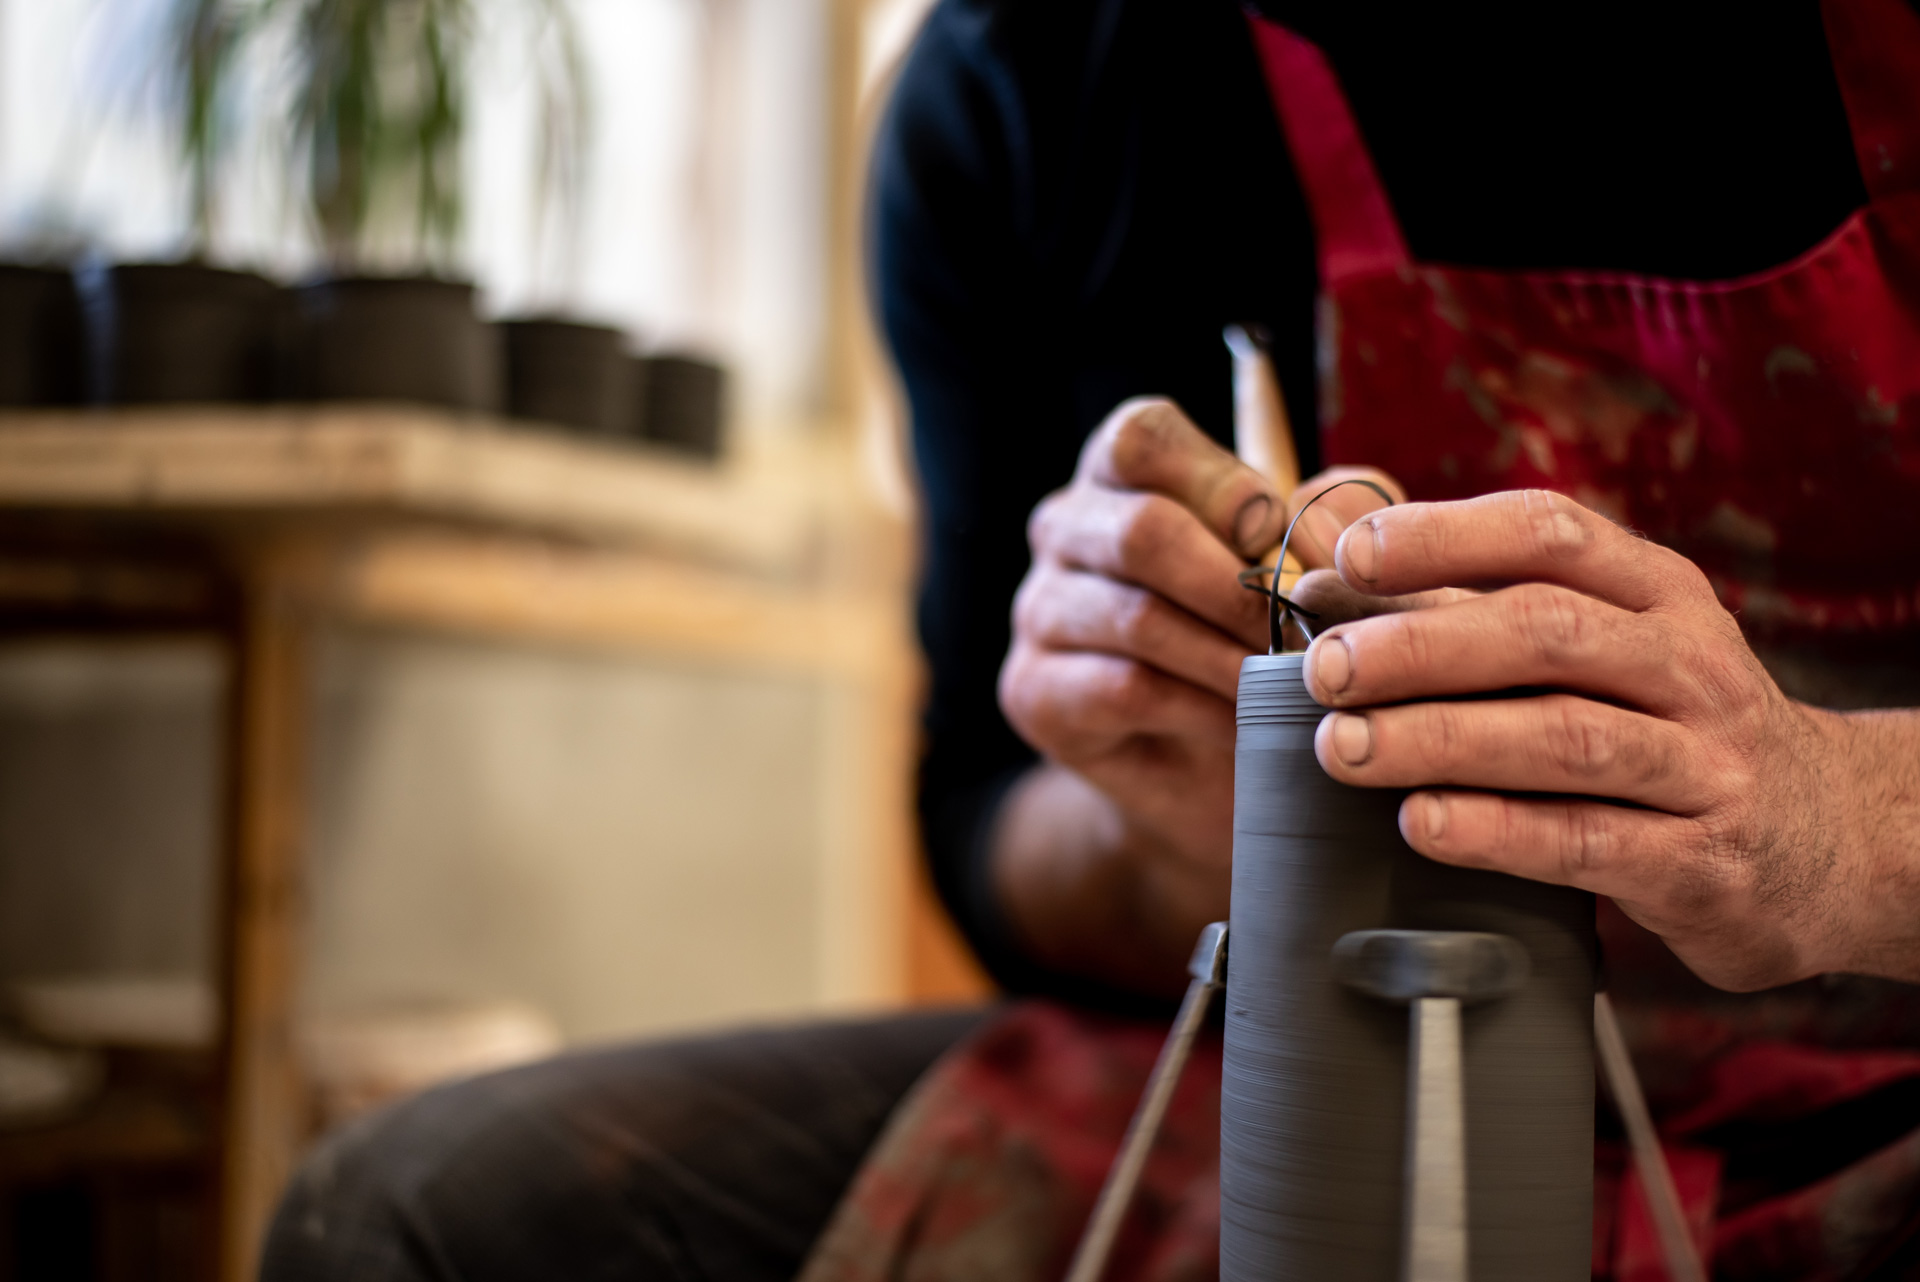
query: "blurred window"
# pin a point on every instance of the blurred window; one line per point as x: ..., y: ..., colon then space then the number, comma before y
x: 704, y: 213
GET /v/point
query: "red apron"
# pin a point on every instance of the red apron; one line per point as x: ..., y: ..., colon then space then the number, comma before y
x: 1765, y: 427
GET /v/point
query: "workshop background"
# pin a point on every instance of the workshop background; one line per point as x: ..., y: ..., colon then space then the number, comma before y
x: 596, y: 719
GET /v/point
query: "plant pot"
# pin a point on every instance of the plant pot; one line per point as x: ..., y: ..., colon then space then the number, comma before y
x: 187, y: 332
x: 405, y: 338
x: 42, y: 341
x: 566, y: 373
x: 638, y: 390
x: 686, y: 403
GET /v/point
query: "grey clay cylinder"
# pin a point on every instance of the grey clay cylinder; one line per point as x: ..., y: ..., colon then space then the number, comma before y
x: 1313, y: 1103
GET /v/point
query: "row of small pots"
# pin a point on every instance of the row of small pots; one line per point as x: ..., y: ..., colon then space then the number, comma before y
x: 182, y: 332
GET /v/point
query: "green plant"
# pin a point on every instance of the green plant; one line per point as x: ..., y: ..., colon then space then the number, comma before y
x: 201, y: 43
x: 376, y: 98
x: 379, y: 118
x: 562, y: 125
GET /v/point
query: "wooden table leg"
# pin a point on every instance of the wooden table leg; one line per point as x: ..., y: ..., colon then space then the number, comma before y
x: 264, y: 1118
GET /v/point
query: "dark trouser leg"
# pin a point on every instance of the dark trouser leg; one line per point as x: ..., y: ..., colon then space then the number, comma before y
x: 714, y: 1158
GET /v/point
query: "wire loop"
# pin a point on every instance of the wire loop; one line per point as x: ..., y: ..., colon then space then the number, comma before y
x: 1279, y: 608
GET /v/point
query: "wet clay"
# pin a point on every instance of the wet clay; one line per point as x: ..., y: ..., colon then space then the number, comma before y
x: 1313, y: 1103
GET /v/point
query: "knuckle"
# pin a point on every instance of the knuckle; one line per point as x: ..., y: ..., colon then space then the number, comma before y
x: 1030, y: 604
x: 1447, y: 734
x: 1558, y: 527
x: 1580, y: 744
x: 1558, y: 625
x: 1032, y: 703
x: 1679, y: 577
x: 1715, y: 876
x: 1138, y: 436
x: 1687, y: 652
x: 1720, y: 683
x: 1139, y: 620
x: 1127, y: 691
x: 1145, y: 531
x: 1432, y: 536
x: 1410, y: 645
x: 1586, y: 842
x: 1137, y: 692
x: 1732, y: 781
x: 1044, y: 521
x: 1659, y: 757
x: 1019, y: 694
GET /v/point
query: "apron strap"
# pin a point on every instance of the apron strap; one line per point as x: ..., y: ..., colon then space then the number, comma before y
x: 1352, y: 220
x: 1876, y: 57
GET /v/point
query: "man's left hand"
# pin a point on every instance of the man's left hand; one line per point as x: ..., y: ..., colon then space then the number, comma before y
x: 1677, y: 778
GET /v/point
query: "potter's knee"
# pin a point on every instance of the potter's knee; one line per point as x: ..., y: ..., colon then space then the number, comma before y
x: 355, y: 1207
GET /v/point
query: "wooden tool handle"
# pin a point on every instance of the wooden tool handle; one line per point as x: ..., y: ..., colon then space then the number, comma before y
x: 1262, y: 433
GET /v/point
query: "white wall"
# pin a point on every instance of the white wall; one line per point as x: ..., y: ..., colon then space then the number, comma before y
x: 109, y: 808
x: 627, y: 843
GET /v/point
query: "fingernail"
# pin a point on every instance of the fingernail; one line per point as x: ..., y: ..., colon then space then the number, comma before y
x: 1362, y: 551
x: 1252, y: 519
x: 1427, y: 816
x: 1332, y: 664
x: 1352, y: 738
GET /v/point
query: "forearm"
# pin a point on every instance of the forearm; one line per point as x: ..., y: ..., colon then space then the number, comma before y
x: 1090, y: 893
x: 1879, y: 769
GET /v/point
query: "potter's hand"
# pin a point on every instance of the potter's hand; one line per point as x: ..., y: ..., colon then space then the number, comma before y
x: 1764, y: 840
x: 1129, y: 628
x: 1128, y: 634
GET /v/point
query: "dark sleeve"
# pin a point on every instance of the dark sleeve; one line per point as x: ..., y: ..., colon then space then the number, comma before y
x: 1047, y: 238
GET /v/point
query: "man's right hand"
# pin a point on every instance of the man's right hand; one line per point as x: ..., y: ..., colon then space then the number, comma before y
x: 1128, y: 634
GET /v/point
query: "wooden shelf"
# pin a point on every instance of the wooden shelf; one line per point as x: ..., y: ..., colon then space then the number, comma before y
x: 265, y: 525
x: 138, y: 1124
x: 403, y: 461
x: 499, y: 588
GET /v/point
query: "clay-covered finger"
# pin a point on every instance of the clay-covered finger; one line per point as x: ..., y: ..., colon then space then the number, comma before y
x: 1151, y: 542
x: 1326, y: 507
x: 1516, y: 536
x: 1148, y: 444
x: 1550, y: 743
x: 1536, y: 634
x: 1063, y: 609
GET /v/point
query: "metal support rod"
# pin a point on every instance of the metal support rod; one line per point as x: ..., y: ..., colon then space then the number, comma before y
x: 1433, y: 972
x: 1436, y: 1229
x: 1663, y: 1199
x: 1209, y: 971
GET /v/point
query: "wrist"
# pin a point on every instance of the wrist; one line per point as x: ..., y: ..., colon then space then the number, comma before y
x: 1179, y: 890
x: 1875, y: 789
x: 1091, y: 890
